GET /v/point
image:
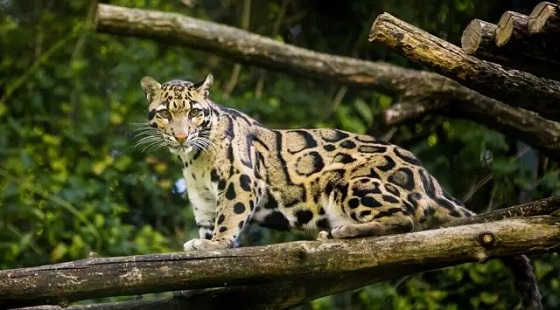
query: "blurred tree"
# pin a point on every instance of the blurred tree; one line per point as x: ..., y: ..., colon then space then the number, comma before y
x: 72, y: 182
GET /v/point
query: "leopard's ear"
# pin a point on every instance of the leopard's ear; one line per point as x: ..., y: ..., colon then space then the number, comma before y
x: 203, y: 87
x: 150, y: 86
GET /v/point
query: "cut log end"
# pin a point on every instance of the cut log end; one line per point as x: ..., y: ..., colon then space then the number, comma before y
x: 472, y: 36
x: 504, y: 29
x: 477, y: 33
x: 540, y: 15
x: 374, y: 31
x: 509, y: 23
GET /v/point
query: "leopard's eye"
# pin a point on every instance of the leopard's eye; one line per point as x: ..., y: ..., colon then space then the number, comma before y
x: 165, y: 114
x: 194, y: 113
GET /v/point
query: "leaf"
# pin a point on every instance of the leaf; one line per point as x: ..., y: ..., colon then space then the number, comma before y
x: 58, y: 252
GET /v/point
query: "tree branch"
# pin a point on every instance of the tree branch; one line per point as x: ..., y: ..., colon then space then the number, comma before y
x: 514, y: 87
x: 245, y: 47
x: 544, y: 206
x: 405, y: 84
x: 320, y: 267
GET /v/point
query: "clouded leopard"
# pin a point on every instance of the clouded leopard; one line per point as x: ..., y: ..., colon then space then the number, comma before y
x: 238, y: 172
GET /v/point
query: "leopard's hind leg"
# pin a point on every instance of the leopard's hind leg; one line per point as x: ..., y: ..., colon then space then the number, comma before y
x: 373, y: 209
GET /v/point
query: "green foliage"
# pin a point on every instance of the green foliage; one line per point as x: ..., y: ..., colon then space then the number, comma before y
x: 71, y: 181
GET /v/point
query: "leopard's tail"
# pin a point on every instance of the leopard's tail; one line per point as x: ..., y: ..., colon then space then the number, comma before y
x: 525, y: 281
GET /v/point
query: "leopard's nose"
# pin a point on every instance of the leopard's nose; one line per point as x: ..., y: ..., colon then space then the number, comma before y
x: 180, y: 137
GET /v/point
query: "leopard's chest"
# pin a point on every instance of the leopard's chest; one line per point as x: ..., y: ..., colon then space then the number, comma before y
x: 200, y: 188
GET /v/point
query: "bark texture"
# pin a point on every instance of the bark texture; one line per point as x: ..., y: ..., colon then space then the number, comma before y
x: 514, y: 87
x: 324, y: 267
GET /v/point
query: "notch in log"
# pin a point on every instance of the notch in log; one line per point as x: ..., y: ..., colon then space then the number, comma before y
x: 544, y: 18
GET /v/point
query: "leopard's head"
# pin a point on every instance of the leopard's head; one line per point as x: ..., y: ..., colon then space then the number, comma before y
x: 179, y: 114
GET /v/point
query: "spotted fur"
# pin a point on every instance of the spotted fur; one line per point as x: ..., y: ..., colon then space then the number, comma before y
x: 239, y: 172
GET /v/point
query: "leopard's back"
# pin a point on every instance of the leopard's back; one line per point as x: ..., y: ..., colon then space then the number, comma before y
x: 318, y: 179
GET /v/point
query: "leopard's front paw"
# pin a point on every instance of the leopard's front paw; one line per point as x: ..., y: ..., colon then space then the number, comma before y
x: 205, y: 244
x: 344, y: 231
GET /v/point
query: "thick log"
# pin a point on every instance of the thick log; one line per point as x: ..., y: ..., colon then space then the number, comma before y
x: 478, y: 40
x: 545, y: 19
x: 353, y: 263
x: 515, y: 87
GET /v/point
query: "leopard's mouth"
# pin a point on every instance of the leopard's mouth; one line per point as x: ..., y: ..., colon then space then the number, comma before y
x: 180, y: 149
